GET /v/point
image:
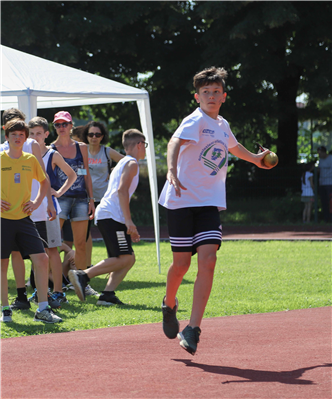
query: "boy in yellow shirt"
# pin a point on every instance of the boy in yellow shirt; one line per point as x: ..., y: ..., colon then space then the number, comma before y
x: 18, y: 169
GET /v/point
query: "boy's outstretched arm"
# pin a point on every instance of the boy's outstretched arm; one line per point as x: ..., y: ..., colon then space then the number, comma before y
x: 257, y: 159
x: 128, y: 173
x: 173, y: 149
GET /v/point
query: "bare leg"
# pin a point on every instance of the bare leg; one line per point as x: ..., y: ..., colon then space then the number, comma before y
x: 56, y: 268
x: 4, y: 282
x: 40, y: 263
x: 79, y: 233
x: 179, y: 267
x: 109, y: 265
x: 206, y: 264
x: 18, y: 269
x: 117, y: 276
x: 89, y: 250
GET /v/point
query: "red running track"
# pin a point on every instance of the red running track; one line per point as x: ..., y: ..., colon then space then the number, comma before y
x: 272, y: 355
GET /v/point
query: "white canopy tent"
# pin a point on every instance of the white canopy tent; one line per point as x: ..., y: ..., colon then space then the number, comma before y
x: 31, y: 83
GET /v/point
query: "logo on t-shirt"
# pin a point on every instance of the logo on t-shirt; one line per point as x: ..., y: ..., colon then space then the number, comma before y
x: 214, y: 156
x: 208, y: 131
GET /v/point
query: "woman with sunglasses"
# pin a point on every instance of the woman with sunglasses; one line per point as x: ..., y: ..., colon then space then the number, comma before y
x: 78, y: 203
x: 100, y: 161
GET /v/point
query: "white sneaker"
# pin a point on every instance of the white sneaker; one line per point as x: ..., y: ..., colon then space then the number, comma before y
x: 6, y: 315
x: 90, y: 291
x: 47, y: 316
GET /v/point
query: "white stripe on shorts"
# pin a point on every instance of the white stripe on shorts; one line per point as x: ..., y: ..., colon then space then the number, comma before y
x: 123, y: 245
x: 181, y: 241
x: 207, y: 235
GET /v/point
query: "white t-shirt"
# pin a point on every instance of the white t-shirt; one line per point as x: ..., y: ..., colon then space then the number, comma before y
x: 202, y: 162
x: 109, y: 207
x: 306, y: 187
x: 325, y: 171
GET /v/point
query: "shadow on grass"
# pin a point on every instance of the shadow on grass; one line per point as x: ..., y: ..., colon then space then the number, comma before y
x: 248, y: 375
x: 136, y: 285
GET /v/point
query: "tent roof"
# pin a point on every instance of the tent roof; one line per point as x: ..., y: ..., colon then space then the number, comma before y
x: 24, y: 74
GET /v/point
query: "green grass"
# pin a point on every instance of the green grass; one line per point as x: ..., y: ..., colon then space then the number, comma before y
x: 250, y: 277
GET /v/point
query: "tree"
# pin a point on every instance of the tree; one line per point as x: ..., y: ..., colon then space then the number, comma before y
x: 273, y: 51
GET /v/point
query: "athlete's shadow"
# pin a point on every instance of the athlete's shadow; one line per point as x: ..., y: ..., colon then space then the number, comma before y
x: 284, y: 377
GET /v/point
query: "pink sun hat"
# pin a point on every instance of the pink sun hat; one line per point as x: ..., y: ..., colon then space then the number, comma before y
x: 64, y: 115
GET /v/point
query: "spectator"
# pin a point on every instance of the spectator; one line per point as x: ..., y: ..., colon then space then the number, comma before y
x: 100, y: 161
x: 32, y: 147
x: 325, y: 182
x: 115, y: 223
x: 308, y: 196
x: 77, y: 204
x: 50, y: 230
x: 16, y: 207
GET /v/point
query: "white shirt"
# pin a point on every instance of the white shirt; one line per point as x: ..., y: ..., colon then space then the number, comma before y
x: 109, y: 207
x: 202, y: 162
x: 325, y: 171
x: 306, y: 186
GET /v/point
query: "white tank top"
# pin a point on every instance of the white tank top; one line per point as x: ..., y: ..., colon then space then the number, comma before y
x: 40, y: 214
x: 109, y: 207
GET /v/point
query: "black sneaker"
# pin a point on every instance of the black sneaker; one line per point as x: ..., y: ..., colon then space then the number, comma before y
x: 189, y: 338
x: 80, y: 280
x: 171, y: 325
x: 51, y: 301
x: 107, y: 299
x: 60, y: 297
x: 20, y: 305
x: 6, y: 315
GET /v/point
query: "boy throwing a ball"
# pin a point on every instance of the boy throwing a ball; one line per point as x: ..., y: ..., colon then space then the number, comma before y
x: 194, y: 193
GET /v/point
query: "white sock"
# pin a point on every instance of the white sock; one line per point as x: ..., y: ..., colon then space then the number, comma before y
x: 42, y: 305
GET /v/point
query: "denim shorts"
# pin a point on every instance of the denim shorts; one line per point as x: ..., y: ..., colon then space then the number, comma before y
x: 75, y: 209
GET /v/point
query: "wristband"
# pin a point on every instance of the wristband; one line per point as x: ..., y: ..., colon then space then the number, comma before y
x: 91, y: 199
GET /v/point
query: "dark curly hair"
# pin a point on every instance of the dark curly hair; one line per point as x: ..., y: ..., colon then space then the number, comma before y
x: 102, y: 128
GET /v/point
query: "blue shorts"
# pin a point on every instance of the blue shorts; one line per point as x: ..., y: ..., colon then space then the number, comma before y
x: 20, y: 235
x: 189, y: 228
x: 75, y: 209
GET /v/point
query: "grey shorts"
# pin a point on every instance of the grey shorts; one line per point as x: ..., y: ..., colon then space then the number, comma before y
x: 50, y: 232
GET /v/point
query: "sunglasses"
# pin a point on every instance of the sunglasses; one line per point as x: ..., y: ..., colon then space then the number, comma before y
x: 145, y: 143
x: 63, y: 124
x: 98, y: 135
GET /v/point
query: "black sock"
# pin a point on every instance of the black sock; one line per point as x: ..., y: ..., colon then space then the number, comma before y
x: 22, y: 294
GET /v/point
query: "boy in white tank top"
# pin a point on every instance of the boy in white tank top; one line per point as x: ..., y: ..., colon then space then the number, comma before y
x: 114, y: 221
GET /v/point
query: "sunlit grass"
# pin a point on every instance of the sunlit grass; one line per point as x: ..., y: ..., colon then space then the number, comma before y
x: 250, y: 277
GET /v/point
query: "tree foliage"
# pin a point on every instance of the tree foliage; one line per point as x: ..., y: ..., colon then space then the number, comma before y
x: 273, y: 52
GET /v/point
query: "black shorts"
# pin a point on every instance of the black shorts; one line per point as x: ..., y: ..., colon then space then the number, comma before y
x: 20, y: 235
x: 189, y: 228
x: 115, y: 236
x: 41, y: 228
